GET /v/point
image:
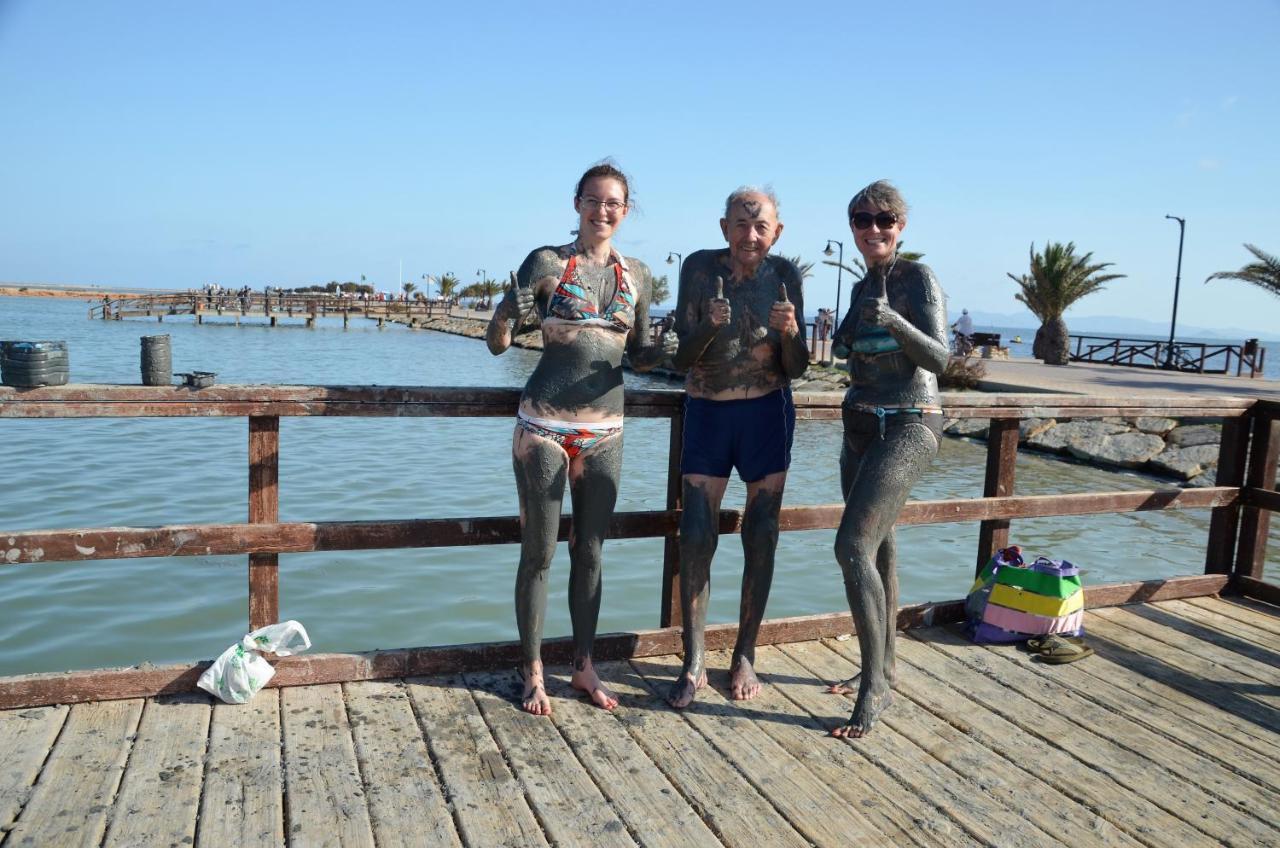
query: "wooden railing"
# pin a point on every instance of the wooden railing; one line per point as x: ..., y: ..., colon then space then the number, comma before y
x: 1235, y: 551
x: 310, y: 304
x: 1192, y: 357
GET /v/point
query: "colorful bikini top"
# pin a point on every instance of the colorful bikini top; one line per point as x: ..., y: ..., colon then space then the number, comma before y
x: 571, y: 302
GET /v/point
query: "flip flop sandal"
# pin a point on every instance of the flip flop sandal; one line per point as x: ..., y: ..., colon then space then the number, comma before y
x: 1039, y: 643
x: 1058, y: 651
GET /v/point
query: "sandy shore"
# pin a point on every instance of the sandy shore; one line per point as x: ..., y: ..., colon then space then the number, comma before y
x: 37, y: 290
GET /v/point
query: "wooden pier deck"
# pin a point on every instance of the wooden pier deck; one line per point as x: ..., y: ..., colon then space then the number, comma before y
x: 1170, y: 735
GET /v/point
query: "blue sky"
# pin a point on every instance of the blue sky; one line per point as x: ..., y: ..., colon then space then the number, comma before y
x: 170, y: 144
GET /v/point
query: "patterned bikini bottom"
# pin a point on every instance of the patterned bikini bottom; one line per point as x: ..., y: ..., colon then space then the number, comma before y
x: 574, y: 437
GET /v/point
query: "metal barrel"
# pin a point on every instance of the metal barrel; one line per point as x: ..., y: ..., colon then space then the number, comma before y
x: 157, y: 361
x: 27, y: 365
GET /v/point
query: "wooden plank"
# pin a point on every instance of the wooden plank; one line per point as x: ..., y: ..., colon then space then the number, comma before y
x: 1233, y: 452
x: 1229, y: 652
x: 1231, y: 692
x: 570, y: 806
x: 1149, y: 618
x: 892, y: 809
x: 325, y: 795
x: 1259, y: 590
x: 1220, y: 801
x: 26, y: 736
x: 1002, y: 457
x: 105, y: 684
x: 488, y: 803
x: 243, y: 799
x: 1115, y: 791
x: 1165, y: 716
x: 641, y: 795
x: 71, y: 802
x: 1255, y: 522
x: 719, y: 793
x: 982, y: 788
x: 1262, y: 498
x: 1260, y: 615
x: 406, y: 805
x: 160, y: 796
x: 1210, y: 615
x: 264, y: 508
x: 80, y: 545
x: 796, y: 793
x: 1150, y: 681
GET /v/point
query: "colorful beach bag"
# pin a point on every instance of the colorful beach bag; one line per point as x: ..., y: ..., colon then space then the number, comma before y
x: 1012, y: 601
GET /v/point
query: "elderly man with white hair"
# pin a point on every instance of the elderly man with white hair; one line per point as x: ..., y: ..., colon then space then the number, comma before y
x: 740, y: 321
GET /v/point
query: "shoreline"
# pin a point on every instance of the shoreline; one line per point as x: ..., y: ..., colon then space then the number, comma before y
x: 77, y: 292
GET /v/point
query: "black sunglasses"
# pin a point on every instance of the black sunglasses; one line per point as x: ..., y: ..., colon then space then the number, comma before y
x: 883, y: 220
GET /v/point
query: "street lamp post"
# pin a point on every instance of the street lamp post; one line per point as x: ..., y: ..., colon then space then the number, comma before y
x: 1177, y: 282
x: 482, y: 274
x: 839, y: 271
x: 679, y: 261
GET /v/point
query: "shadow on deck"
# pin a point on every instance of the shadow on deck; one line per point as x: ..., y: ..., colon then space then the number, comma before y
x: 1168, y: 736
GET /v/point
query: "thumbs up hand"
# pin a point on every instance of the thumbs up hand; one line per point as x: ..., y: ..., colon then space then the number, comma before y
x: 782, y: 315
x: 523, y: 297
x: 718, y: 307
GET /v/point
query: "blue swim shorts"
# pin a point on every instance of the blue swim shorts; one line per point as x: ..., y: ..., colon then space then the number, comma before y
x: 751, y: 435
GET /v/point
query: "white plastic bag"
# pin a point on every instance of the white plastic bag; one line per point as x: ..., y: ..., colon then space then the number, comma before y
x: 240, y: 672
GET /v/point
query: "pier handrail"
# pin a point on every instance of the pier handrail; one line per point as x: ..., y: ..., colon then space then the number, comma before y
x: 1241, y: 502
x: 1154, y: 353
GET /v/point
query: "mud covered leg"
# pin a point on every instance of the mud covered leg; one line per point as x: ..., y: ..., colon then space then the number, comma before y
x: 699, y: 537
x: 540, y: 470
x: 593, y: 483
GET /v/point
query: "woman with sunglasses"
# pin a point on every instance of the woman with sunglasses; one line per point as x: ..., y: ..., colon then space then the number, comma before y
x: 594, y: 306
x: 894, y: 338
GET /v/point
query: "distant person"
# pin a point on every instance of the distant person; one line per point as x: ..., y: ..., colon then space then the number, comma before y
x: 594, y: 306
x: 740, y: 318
x: 894, y: 337
x: 962, y: 343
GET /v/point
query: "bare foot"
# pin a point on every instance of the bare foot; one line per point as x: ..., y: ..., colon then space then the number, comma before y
x: 534, y: 700
x: 743, y: 683
x: 845, y: 687
x: 865, y: 713
x: 586, y: 680
x: 685, y: 689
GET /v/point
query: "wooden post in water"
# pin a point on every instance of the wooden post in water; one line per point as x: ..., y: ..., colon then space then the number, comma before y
x: 1002, y: 456
x: 672, y: 615
x: 1224, y: 521
x: 1255, y: 522
x: 264, y: 508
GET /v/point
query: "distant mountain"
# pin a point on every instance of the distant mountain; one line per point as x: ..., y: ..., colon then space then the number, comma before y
x: 1114, y: 325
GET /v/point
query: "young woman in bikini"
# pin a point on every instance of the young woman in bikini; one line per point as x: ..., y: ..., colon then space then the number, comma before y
x: 594, y: 306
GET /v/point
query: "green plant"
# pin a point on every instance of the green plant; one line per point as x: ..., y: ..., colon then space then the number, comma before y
x: 1265, y: 273
x: 962, y: 372
x: 1057, y: 279
x: 661, y: 290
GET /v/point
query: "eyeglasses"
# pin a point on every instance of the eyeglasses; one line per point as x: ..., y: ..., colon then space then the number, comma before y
x: 597, y: 203
x: 883, y: 220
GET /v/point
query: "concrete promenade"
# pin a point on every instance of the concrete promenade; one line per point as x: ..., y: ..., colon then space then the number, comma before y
x: 1029, y: 375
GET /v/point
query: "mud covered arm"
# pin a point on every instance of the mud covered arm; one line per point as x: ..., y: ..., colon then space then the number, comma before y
x: 693, y: 321
x: 516, y: 303
x: 924, y: 341
x: 842, y: 338
x: 643, y: 353
x: 794, y: 349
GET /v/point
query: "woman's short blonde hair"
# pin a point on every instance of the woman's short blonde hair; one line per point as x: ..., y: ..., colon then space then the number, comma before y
x: 881, y: 194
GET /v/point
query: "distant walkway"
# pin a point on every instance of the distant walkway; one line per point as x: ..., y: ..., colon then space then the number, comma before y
x: 1029, y: 375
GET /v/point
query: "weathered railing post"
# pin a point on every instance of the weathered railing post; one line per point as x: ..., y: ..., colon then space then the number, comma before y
x: 1224, y: 521
x: 264, y: 508
x: 1002, y: 456
x: 672, y: 615
x: 1255, y: 522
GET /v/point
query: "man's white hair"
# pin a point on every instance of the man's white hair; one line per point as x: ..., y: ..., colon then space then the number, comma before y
x: 741, y: 192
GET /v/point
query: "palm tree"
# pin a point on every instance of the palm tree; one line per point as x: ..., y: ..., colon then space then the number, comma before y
x: 661, y: 290
x: 1057, y: 280
x: 1265, y: 273
x: 805, y: 268
x: 409, y: 287
x: 447, y: 286
x: 489, y: 289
